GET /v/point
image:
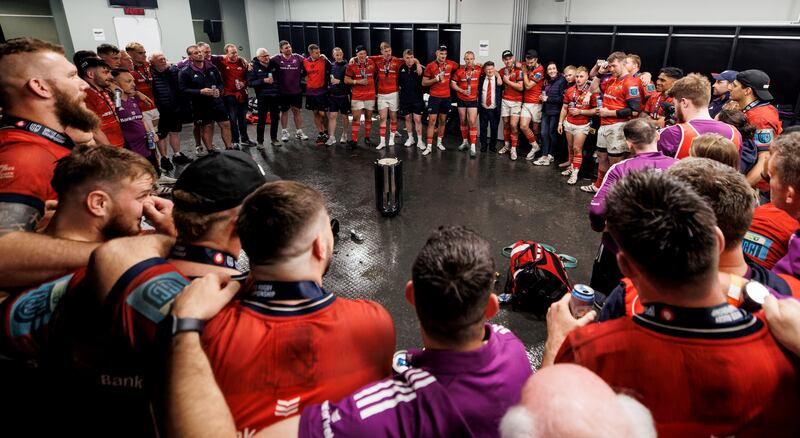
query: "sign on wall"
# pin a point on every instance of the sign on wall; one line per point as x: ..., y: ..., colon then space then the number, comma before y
x: 144, y: 30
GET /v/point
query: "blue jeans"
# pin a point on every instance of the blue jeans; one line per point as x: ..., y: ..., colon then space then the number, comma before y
x: 237, y: 113
x: 548, y: 134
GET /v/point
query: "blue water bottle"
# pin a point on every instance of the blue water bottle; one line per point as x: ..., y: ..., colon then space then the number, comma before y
x: 151, y: 144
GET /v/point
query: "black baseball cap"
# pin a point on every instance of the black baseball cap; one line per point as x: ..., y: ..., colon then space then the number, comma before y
x: 530, y: 54
x: 360, y: 48
x: 220, y: 180
x: 442, y: 48
x: 507, y: 54
x: 756, y: 80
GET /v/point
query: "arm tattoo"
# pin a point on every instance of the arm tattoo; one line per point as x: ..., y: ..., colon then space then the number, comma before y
x: 17, y: 217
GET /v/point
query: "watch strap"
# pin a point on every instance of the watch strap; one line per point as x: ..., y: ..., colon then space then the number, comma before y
x: 180, y: 325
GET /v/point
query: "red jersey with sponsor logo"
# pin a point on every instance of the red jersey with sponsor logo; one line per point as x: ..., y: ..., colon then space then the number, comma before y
x: 467, y: 79
x: 536, y: 75
x: 316, y: 73
x: 445, y: 71
x: 358, y: 71
x: 516, y: 77
x: 616, y: 93
x: 101, y: 104
x: 653, y: 106
x: 27, y: 162
x: 768, y: 125
x: 645, y: 91
x: 271, y: 360
x: 234, y: 78
x: 580, y: 98
x: 767, y: 240
x: 387, y: 73
x: 144, y: 84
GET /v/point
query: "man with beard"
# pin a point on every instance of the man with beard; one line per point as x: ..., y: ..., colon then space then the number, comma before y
x: 659, y: 107
x: 98, y: 99
x: 144, y: 81
x: 170, y: 107
x: 41, y: 96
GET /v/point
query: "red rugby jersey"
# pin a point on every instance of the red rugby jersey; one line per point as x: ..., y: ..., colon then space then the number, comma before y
x: 616, y: 93
x: 448, y: 68
x: 358, y: 71
x: 144, y: 84
x: 468, y: 77
x: 271, y: 360
x: 516, y: 77
x: 768, y: 124
x: 386, y: 72
x: 767, y: 240
x: 580, y: 98
x: 233, y: 71
x: 316, y: 73
x: 533, y: 94
x: 653, y: 106
x: 101, y: 104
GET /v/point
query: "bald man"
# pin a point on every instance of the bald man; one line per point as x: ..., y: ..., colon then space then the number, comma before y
x: 569, y: 400
x: 42, y: 97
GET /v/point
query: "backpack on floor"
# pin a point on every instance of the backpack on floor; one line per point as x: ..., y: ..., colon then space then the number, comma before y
x: 537, y: 276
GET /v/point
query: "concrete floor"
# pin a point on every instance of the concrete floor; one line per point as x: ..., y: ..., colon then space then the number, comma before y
x: 502, y: 200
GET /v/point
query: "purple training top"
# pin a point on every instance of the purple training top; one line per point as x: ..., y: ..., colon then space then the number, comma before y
x: 597, y: 208
x: 130, y: 119
x: 443, y: 394
x: 290, y: 70
x: 790, y: 263
x: 669, y: 139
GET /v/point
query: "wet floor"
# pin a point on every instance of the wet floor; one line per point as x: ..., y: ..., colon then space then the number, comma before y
x: 502, y: 200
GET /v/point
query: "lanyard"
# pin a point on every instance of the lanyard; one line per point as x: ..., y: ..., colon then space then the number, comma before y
x: 469, y: 75
x: 654, y: 115
x: 38, y: 129
x: 202, y: 254
x: 751, y: 105
x: 285, y: 290
x: 443, y: 68
x: 363, y: 68
x: 579, y: 94
x: 387, y: 65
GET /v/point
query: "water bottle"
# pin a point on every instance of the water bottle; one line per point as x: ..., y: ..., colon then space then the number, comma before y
x: 118, y: 98
x: 215, y: 91
x: 238, y: 84
x: 581, y: 300
x: 151, y: 144
x: 469, y: 89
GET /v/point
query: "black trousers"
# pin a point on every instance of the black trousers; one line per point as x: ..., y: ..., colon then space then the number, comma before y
x: 488, y: 120
x: 237, y: 113
x: 268, y: 105
x: 605, y: 272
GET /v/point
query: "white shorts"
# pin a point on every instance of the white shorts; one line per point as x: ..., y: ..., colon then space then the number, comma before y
x: 612, y: 139
x: 363, y: 104
x: 532, y: 111
x: 510, y: 108
x: 151, y: 115
x: 577, y: 129
x: 390, y: 101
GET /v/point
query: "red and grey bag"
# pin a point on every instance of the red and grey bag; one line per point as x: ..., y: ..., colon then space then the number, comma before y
x: 537, y: 276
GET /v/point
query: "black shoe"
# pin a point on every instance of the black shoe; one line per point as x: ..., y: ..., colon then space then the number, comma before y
x: 180, y: 158
x: 248, y: 142
x: 166, y: 164
x: 484, y: 147
x: 492, y: 149
x: 352, y: 144
x: 367, y: 142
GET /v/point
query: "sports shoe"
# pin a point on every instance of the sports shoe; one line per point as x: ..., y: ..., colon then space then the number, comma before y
x: 180, y: 158
x: 260, y: 146
x: 513, y: 154
x: 276, y: 143
x: 391, y: 139
x: 472, y: 152
x: 300, y: 135
x: 381, y: 145
x: 427, y: 150
x: 567, y: 172
x: 440, y: 146
x: 367, y: 141
x: 352, y: 143
x: 165, y: 180
x: 421, y: 144
x: 463, y: 146
x: 589, y: 189
x: 503, y: 150
x: 573, y: 177
x: 331, y: 141
x: 532, y: 153
x: 544, y: 160
x: 343, y: 139
x: 285, y: 135
x: 549, y: 160
x: 200, y: 151
x: 409, y: 142
x: 166, y: 164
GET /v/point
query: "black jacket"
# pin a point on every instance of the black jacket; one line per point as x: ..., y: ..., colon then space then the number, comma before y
x: 165, y: 89
x: 190, y: 82
x: 256, y: 76
x: 555, y: 96
x: 498, y: 98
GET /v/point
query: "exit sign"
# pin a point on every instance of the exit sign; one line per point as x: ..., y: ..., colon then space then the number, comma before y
x: 133, y: 11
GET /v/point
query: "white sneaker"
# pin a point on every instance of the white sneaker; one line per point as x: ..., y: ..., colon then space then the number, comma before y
x: 420, y: 143
x: 463, y: 146
x: 331, y: 141
x: 542, y: 161
x: 164, y: 179
x: 300, y: 135
x: 589, y: 189
x: 532, y: 153
x: 503, y: 150
x: 343, y: 139
x: 285, y: 135
x: 427, y: 150
x: 200, y: 151
x: 513, y: 154
x: 409, y: 142
x: 440, y: 146
x: 573, y: 177
x: 391, y: 139
x: 567, y: 171
x: 549, y: 160
x: 381, y: 145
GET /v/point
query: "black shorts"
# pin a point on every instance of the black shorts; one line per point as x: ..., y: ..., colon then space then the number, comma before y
x: 204, y: 115
x: 467, y: 104
x: 438, y: 105
x: 170, y: 121
x: 411, y: 108
x: 339, y: 104
x: 317, y: 103
x: 290, y: 100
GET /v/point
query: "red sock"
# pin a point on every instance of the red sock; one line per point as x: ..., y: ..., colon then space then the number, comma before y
x: 463, y: 131
x: 506, y: 133
x: 530, y: 136
x: 393, y: 125
x: 430, y: 139
x: 383, y: 131
x: 473, y: 132
x: 514, y: 140
x: 367, y: 127
x: 577, y: 160
x: 354, y: 129
x: 600, y: 175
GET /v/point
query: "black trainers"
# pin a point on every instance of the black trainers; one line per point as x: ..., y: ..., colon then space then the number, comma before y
x: 352, y: 143
x: 367, y: 141
x: 166, y: 164
x: 249, y: 143
x: 180, y: 158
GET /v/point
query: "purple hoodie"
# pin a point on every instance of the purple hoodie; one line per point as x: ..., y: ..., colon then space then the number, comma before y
x: 790, y: 263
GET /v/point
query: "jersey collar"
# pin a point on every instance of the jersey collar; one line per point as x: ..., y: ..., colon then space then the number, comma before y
x: 723, y: 321
x: 49, y: 134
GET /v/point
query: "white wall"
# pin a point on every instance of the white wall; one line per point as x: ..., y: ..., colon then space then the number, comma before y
x: 234, y: 25
x: 174, y: 17
x: 262, y: 25
x: 408, y: 11
x: 671, y: 12
x: 484, y: 20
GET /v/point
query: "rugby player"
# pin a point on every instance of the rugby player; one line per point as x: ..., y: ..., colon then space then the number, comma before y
x: 438, y: 75
x: 360, y: 76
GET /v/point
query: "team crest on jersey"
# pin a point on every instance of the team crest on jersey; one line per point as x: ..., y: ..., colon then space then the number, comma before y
x: 154, y: 297
x: 763, y: 136
x: 650, y: 88
x: 633, y: 91
x: 537, y: 75
x: 35, y: 308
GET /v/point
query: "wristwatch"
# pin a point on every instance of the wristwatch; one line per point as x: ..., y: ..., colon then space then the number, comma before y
x: 175, y: 325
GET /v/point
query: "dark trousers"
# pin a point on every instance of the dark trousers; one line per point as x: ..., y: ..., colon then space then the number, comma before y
x: 489, y: 120
x: 605, y: 272
x: 268, y: 105
x: 237, y: 113
x: 548, y: 135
